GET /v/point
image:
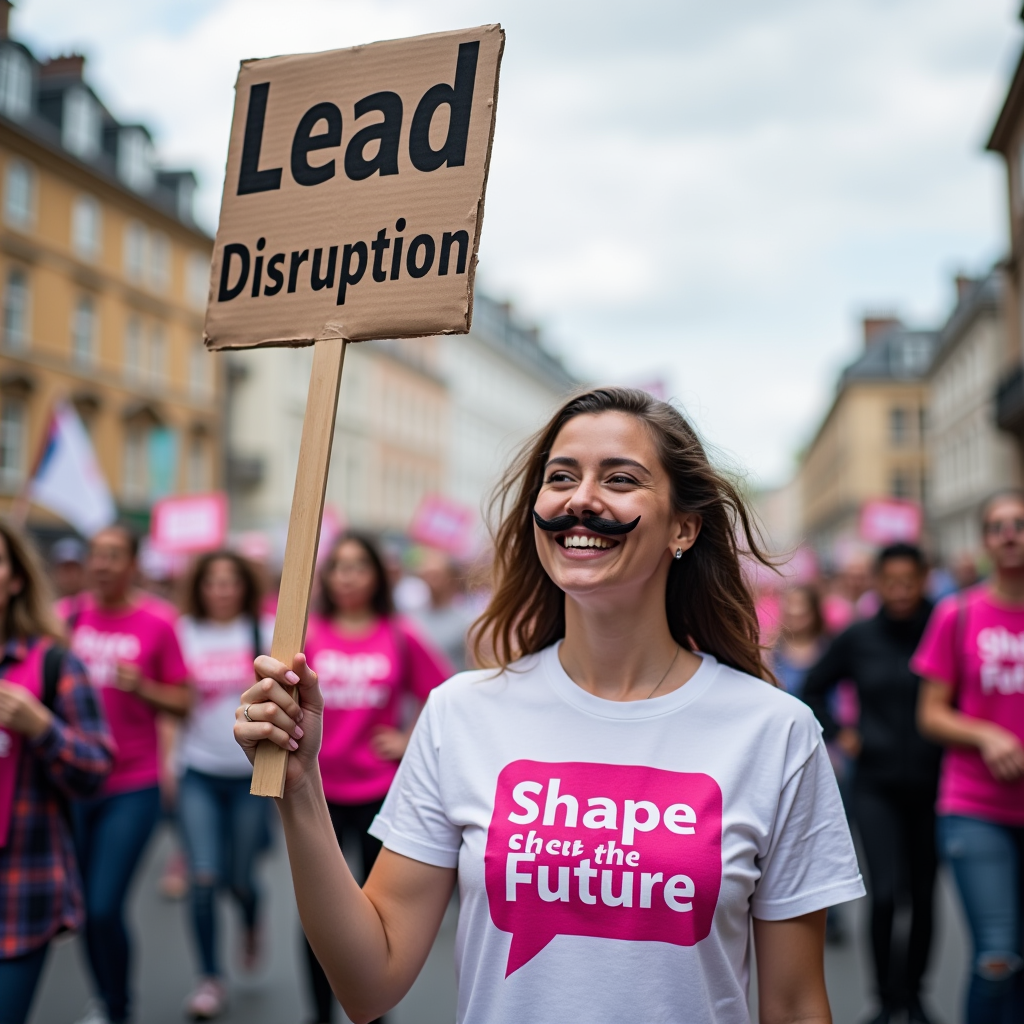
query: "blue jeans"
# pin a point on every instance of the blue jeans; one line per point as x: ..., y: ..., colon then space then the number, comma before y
x: 988, y: 864
x: 18, y: 979
x: 111, y: 833
x: 224, y: 829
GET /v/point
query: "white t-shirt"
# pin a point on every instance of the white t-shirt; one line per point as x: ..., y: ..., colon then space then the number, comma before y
x: 219, y: 657
x: 610, y: 854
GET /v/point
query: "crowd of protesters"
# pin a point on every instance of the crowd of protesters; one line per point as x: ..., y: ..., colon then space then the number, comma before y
x: 921, y: 704
x: 99, y: 672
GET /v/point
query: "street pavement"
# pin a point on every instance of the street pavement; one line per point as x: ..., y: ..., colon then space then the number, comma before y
x: 165, y: 963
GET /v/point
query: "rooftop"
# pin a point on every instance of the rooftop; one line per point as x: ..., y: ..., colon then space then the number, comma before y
x: 51, y: 102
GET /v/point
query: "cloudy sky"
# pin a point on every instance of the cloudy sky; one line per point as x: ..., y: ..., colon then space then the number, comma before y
x: 712, y: 193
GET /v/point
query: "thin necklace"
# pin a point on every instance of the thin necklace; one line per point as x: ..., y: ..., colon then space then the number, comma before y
x: 665, y: 676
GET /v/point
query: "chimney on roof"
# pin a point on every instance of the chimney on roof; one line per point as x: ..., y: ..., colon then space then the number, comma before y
x: 964, y: 286
x: 876, y: 326
x: 71, y: 65
x: 5, y: 14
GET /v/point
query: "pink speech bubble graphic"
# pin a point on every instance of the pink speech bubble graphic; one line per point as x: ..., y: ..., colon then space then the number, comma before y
x: 606, y: 850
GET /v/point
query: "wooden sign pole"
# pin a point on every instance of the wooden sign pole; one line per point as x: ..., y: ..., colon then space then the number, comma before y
x: 271, y: 762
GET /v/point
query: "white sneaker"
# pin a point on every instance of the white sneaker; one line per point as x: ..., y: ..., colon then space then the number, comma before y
x: 94, y: 1014
x: 208, y: 1001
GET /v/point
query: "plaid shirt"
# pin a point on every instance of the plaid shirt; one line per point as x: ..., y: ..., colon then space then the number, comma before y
x: 40, y: 887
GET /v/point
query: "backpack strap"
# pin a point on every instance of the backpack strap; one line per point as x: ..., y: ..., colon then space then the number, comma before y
x: 53, y: 659
x: 257, y: 638
x: 401, y: 642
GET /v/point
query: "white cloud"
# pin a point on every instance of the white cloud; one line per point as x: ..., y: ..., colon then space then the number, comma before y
x: 715, y: 190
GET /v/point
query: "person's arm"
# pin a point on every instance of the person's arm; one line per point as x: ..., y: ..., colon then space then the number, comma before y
x: 175, y: 699
x: 791, y: 970
x: 425, y: 667
x: 939, y: 721
x: 372, y: 942
x: 72, y: 741
x: 822, y: 678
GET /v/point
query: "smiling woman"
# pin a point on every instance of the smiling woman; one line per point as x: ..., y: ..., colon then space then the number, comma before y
x: 708, y: 605
x: 623, y: 797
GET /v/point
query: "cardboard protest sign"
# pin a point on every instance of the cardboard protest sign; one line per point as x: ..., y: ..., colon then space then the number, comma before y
x: 352, y: 209
x: 354, y: 192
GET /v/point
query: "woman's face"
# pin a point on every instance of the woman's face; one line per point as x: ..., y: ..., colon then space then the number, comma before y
x: 1004, y: 533
x: 10, y: 584
x: 606, y: 465
x: 222, y: 590
x: 351, y: 579
x: 797, y: 614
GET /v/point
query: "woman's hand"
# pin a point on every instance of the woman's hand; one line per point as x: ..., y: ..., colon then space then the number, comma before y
x: 1002, y: 753
x: 21, y: 712
x: 275, y: 715
x: 389, y: 744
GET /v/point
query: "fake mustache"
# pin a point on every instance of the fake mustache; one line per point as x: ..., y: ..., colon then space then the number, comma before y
x: 609, y: 527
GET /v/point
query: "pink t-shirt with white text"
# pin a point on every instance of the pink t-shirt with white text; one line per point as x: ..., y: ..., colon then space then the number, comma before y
x: 363, y: 680
x: 976, y: 645
x: 134, y: 636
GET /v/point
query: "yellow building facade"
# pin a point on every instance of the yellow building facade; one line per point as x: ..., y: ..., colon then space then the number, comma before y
x: 103, y: 284
x: 871, y: 443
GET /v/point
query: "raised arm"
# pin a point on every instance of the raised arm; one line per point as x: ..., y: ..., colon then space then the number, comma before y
x: 372, y: 942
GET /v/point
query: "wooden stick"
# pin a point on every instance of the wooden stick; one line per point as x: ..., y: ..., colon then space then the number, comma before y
x: 271, y: 762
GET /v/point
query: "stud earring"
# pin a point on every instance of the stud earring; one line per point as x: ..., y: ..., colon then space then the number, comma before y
x: 679, y: 553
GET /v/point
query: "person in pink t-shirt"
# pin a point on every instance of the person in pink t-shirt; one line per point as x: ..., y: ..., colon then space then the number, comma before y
x: 371, y: 668
x: 971, y: 659
x: 133, y: 658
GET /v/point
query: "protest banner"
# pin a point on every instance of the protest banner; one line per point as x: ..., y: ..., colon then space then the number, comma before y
x: 352, y: 209
x: 889, y: 520
x: 196, y: 522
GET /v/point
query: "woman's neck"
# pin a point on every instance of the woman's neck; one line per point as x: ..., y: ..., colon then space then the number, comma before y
x: 357, y: 622
x: 624, y: 653
x: 116, y: 603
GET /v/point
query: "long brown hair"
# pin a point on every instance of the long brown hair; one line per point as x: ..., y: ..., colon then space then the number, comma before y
x: 380, y: 601
x: 194, y: 604
x: 707, y: 602
x: 30, y: 611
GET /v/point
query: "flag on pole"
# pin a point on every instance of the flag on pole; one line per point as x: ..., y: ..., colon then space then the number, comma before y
x: 68, y: 479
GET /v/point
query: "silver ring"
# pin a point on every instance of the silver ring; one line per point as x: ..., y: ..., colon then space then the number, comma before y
x: 245, y: 712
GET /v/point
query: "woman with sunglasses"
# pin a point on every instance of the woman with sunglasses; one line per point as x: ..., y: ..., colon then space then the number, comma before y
x: 972, y: 700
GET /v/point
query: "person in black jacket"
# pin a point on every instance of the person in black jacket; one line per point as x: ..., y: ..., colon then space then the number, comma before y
x: 896, y: 773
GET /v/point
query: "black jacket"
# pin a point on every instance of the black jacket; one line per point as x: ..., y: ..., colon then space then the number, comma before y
x: 875, y: 655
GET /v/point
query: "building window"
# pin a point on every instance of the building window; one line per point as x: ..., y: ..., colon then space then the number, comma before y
x: 135, y: 159
x: 135, y: 251
x: 159, y: 261
x: 80, y: 130
x: 198, y: 467
x: 901, y: 484
x: 914, y: 356
x: 16, y: 310
x: 200, y: 364
x: 157, y: 369
x: 197, y: 280
x: 134, y: 359
x: 12, y: 443
x: 86, y: 227
x: 83, y: 332
x: 135, y: 476
x: 15, y: 83
x: 19, y: 195
x: 899, y: 427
